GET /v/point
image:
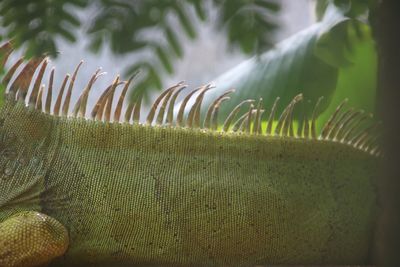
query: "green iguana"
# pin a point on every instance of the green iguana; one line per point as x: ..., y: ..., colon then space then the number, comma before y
x: 110, y: 191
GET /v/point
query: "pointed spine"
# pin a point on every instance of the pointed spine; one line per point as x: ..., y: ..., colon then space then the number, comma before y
x: 153, y: 109
x: 170, y: 113
x: 38, y: 81
x: 272, y: 117
x: 11, y: 71
x: 330, y: 122
x: 67, y: 99
x: 193, y: 120
x: 233, y: 114
x: 57, y: 105
x: 49, y: 96
x: 110, y: 98
x: 160, y: 116
x: 38, y: 101
x: 211, y: 108
x: 81, y: 104
x: 118, y: 109
x: 179, y: 119
x: 214, y: 119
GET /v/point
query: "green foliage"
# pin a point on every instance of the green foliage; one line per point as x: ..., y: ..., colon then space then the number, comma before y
x: 123, y: 24
x: 247, y: 25
x: 37, y: 23
x: 349, y: 8
x: 153, y: 14
x: 357, y: 81
x: 334, y: 58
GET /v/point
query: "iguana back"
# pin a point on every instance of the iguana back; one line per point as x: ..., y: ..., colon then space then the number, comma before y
x: 178, y: 192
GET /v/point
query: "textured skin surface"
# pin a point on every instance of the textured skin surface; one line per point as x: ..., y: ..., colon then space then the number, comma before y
x: 158, y: 195
x: 31, y: 239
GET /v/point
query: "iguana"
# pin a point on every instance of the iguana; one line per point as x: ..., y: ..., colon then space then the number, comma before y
x: 111, y: 190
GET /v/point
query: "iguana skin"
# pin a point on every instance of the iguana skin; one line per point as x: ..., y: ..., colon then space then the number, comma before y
x: 116, y: 194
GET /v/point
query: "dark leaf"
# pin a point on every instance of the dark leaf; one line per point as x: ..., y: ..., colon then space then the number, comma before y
x: 268, y: 4
x: 185, y: 22
x: 164, y: 59
x: 173, y: 41
x: 199, y: 8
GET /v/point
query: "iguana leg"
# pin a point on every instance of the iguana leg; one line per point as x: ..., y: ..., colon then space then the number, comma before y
x: 30, y: 239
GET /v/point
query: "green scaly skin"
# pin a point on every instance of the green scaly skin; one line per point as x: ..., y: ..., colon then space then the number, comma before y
x: 115, y: 194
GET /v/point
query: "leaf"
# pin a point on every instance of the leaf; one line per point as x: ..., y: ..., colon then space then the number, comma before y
x: 320, y: 8
x: 96, y: 44
x: 248, y: 26
x: 164, y: 59
x: 349, y: 8
x: 37, y: 24
x: 185, y: 22
x: 358, y: 81
x: 70, y: 18
x: 199, y: 9
x: 68, y: 35
x: 352, y: 8
x: 173, y: 41
x: 296, y: 65
x: 289, y: 69
x: 270, y: 5
x: 333, y: 46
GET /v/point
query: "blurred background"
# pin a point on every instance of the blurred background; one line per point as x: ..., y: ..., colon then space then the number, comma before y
x: 198, y: 44
x: 203, y: 58
x: 263, y: 48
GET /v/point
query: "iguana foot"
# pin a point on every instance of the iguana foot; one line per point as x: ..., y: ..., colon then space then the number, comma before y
x: 31, y: 239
